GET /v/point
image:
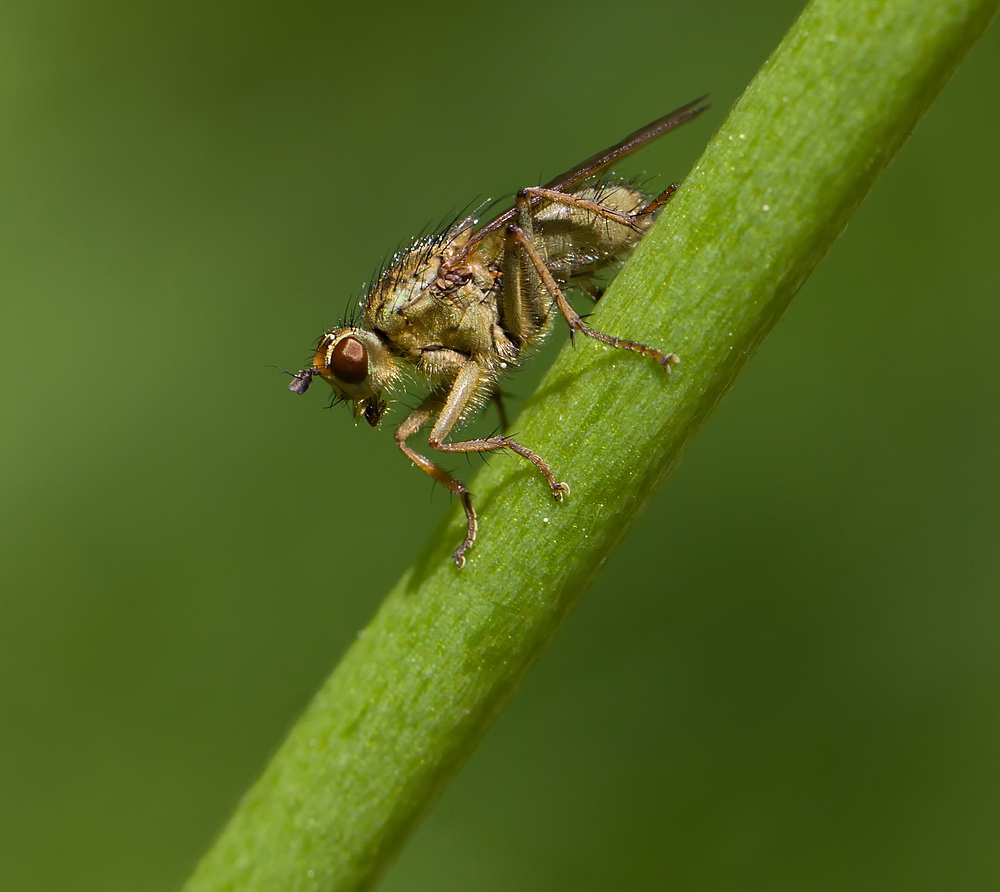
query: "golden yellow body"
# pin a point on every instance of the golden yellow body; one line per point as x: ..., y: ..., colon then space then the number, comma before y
x: 462, y: 307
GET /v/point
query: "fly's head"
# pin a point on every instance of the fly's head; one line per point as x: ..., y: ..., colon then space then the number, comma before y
x: 359, y: 367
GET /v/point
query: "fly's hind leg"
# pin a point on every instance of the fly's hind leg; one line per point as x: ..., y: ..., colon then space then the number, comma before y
x: 468, y: 383
x: 517, y: 239
x: 638, y: 219
x: 653, y: 205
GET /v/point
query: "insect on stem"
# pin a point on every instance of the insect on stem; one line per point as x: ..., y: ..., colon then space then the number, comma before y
x: 466, y: 305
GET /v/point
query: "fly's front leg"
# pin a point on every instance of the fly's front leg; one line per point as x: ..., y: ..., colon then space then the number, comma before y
x: 468, y: 383
x: 411, y: 424
x: 517, y: 236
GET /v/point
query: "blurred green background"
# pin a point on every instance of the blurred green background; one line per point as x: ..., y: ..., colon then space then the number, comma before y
x: 788, y: 676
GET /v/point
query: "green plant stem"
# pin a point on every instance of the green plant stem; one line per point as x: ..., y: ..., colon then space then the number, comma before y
x: 414, y: 694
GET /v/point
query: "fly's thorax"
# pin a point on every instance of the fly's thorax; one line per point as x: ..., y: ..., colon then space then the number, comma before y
x: 409, y: 276
x: 358, y: 365
x: 423, y: 303
x: 416, y: 270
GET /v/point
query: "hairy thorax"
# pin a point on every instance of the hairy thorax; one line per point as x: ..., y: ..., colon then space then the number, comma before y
x: 425, y: 303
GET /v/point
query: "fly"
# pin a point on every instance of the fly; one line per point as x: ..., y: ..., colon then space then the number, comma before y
x: 462, y: 307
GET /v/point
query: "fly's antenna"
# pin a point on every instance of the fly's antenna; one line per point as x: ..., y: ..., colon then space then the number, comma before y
x: 300, y: 380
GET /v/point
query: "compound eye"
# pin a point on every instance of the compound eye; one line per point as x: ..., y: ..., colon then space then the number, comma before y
x: 349, y: 361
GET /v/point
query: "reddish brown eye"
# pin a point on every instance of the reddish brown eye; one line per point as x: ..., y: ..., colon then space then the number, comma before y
x: 349, y: 361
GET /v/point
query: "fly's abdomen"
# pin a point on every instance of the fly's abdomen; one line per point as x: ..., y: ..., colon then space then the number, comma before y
x: 579, y: 242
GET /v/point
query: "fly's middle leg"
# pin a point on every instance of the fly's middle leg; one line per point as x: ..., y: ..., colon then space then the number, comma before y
x: 519, y: 240
x: 494, y: 444
x: 468, y: 381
